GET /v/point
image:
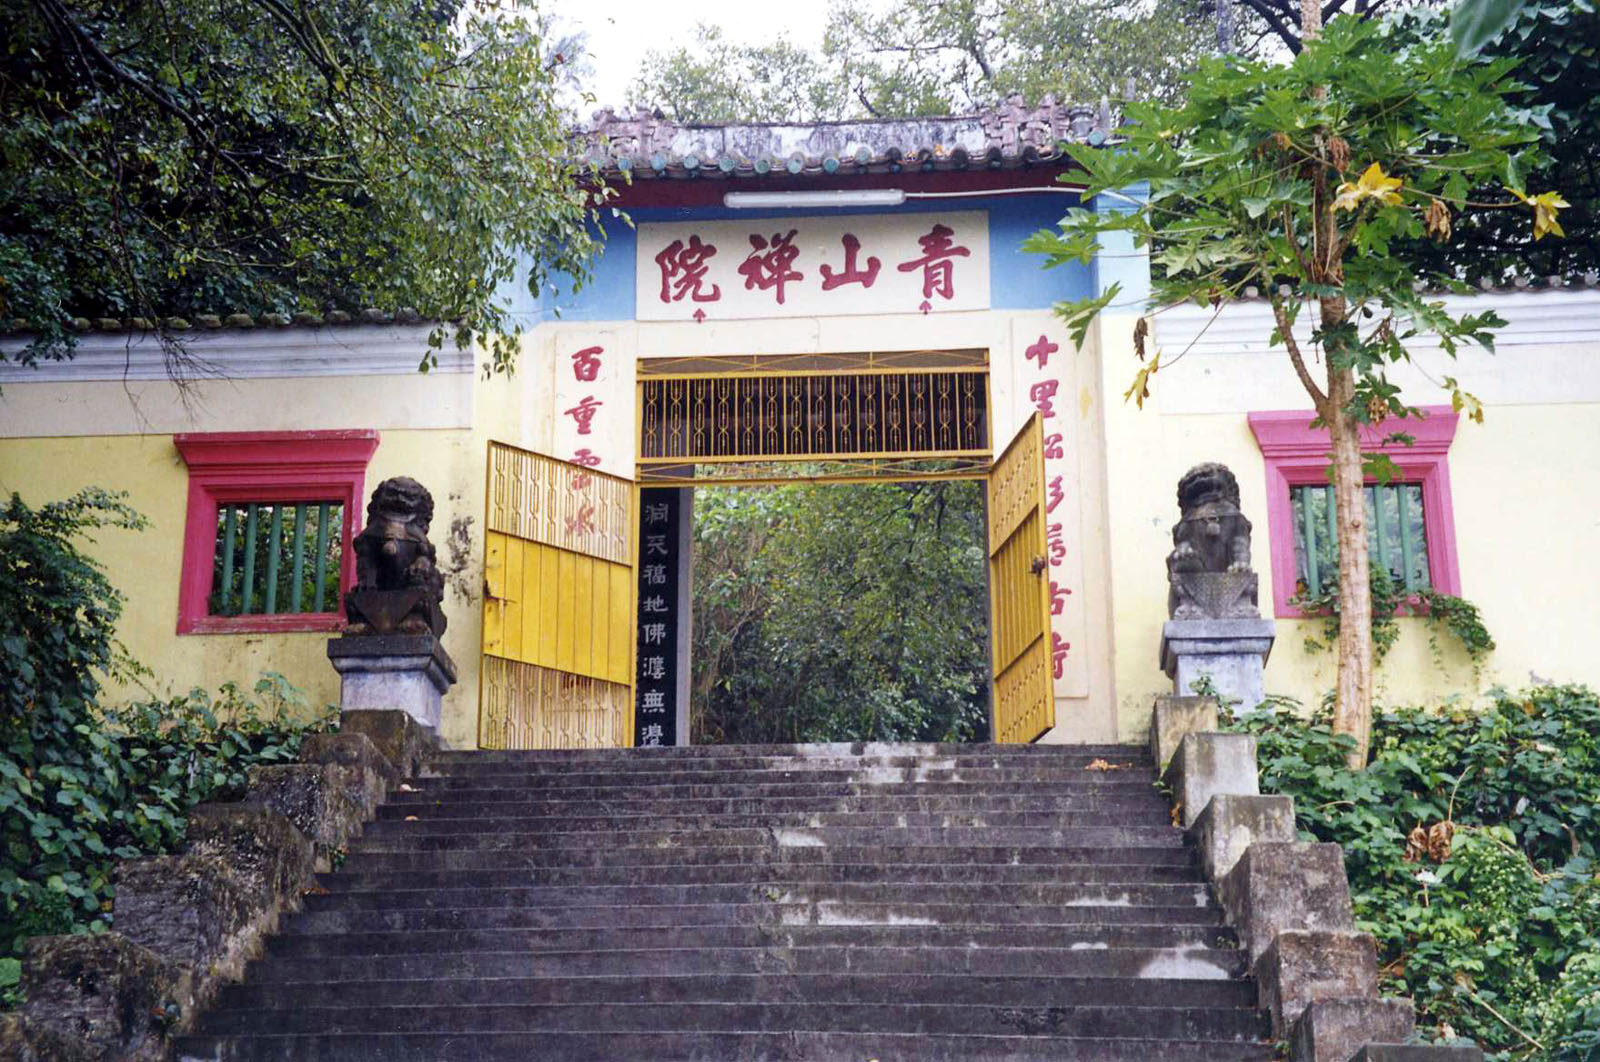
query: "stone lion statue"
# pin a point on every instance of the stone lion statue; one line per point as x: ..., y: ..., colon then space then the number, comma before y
x: 399, y: 588
x: 1208, y: 570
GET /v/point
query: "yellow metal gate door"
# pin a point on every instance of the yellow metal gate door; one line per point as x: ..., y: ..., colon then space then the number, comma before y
x: 1023, y: 697
x: 558, y: 605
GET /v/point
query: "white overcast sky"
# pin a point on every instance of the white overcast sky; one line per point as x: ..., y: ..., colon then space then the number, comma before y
x: 621, y: 31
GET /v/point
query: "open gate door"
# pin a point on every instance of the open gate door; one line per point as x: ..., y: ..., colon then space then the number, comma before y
x: 558, y: 606
x: 1023, y: 697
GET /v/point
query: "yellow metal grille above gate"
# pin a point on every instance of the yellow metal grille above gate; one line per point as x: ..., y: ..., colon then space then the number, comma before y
x: 873, y: 416
x: 559, y: 603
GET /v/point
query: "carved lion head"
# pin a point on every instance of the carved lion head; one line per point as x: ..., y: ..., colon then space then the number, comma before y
x: 401, y: 499
x: 1207, y: 482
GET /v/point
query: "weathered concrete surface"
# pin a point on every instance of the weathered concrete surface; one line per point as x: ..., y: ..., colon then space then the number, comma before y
x: 25, y: 1041
x: 399, y: 738
x: 190, y: 909
x: 1331, y: 1030
x: 265, y: 851
x: 393, y: 671
x: 1278, y: 886
x: 327, y: 803
x: 1174, y: 719
x: 351, y: 749
x: 1231, y: 653
x: 1302, y: 966
x: 1417, y: 1053
x: 100, y: 993
x: 1231, y: 823
x: 1208, y: 764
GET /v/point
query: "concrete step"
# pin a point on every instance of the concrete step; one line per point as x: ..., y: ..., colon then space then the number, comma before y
x: 523, y: 788
x: 736, y: 988
x: 1189, y: 962
x: 769, y: 855
x: 514, y: 803
x: 501, y: 774
x: 904, y: 935
x: 624, y: 758
x: 464, y: 892
x: 668, y: 819
x: 711, y: 1047
x: 335, y: 914
x: 444, y: 833
x: 519, y: 868
x: 1178, y: 1023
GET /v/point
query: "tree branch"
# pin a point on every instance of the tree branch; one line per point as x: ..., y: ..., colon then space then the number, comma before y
x: 1286, y: 329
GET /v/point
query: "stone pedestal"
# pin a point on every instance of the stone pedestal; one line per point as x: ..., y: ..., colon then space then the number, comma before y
x: 1231, y: 652
x: 409, y: 672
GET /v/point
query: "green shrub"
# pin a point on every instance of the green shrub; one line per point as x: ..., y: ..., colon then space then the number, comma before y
x: 1471, y: 842
x: 81, y: 786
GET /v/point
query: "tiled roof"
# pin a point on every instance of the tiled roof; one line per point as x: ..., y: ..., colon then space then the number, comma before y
x: 1009, y: 136
x: 213, y: 322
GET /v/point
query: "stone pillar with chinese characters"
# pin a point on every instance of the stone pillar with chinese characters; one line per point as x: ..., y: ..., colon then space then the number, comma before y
x: 389, y: 656
x: 661, y: 709
x: 1215, y: 637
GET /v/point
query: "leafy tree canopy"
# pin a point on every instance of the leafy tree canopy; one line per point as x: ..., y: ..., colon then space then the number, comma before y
x: 944, y: 57
x: 834, y: 613
x: 1309, y: 179
x: 212, y: 156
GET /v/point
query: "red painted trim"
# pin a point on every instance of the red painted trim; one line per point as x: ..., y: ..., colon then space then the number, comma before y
x: 708, y: 191
x: 1296, y: 455
x: 267, y: 466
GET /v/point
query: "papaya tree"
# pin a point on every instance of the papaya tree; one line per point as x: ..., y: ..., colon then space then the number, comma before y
x: 1303, y: 180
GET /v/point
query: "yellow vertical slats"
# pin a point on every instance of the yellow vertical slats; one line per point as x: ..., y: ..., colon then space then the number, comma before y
x: 1019, y: 595
x: 559, y: 608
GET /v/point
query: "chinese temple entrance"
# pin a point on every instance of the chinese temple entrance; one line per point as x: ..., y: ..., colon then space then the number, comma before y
x: 570, y: 549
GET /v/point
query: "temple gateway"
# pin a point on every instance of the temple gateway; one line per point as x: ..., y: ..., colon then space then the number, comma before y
x: 841, y: 302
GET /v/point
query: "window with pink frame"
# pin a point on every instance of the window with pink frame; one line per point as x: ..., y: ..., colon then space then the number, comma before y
x: 1296, y: 458
x: 270, y: 516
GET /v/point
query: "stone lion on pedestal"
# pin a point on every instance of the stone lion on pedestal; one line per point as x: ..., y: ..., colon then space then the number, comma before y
x: 1208, y: 570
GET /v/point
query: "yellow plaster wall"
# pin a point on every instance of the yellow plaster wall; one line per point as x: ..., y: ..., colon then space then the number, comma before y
x: 1527, y: 524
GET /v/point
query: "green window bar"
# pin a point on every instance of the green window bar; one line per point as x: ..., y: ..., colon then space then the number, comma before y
x: 277, y: 558
x: 1396, y: 535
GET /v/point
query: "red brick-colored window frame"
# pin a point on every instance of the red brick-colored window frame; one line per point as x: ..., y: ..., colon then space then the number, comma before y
x: 272, y: 467
x: 1297, y: 456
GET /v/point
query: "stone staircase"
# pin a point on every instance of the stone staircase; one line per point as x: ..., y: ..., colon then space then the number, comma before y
x: 877, y: 902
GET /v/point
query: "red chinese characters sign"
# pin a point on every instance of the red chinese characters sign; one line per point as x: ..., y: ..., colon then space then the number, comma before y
x: 813, y: 267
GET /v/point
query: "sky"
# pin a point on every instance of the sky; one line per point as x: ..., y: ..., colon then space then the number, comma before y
x: 621, y: 31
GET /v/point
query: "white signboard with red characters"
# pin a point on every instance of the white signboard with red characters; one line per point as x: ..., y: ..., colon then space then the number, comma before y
x: 813, y: 267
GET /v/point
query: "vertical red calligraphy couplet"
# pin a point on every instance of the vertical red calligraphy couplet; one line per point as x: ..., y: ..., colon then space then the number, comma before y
x: 587, y: 459
x: 1058, y: 545
x: 683, y: 271
x: 1058, y: 598
x: 1058, y: 652
x: 1052, y: 447
x: 586, y: 364
x: 1041, y: 351
x: 584, y: 413
x: 1042, y: 395
x: 852, y: 273
x: 938, y: 274
x: 1056, y: 493
x: 770, y: 263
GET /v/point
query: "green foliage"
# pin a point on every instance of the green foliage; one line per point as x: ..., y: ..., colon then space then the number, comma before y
x: 81, y: 786
x: 1471, y: 842
x: 1456, y: 616
x: 937, y: 58
x: 835, y: 613
x: 1242, y: 174
x: 207, y: 156
x: 1554, y: 46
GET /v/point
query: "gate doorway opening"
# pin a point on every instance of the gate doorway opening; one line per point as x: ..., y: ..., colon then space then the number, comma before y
x: 577, y: 557
x: 839, y: 612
